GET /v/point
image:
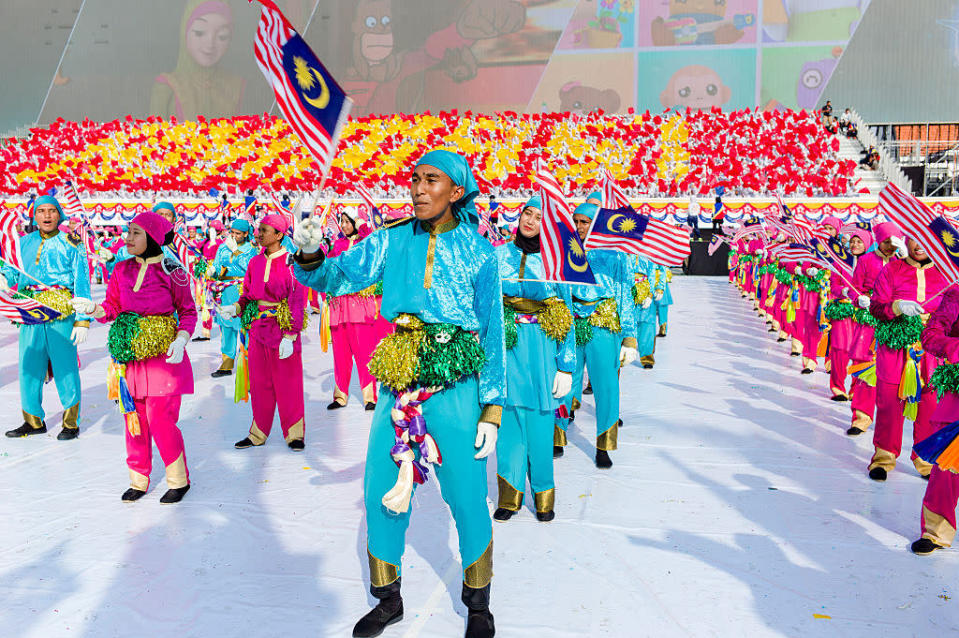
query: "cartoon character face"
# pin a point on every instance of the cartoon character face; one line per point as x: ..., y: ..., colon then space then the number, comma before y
x: 714, y: 7
x: 208, y: 37
x: 812, y: 81
x: 583, y: 99
x: 696, y: 87
x: 372, y: 24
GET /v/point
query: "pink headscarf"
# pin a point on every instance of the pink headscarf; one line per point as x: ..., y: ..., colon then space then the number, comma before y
x: 154, y: 225
x: 863, y: 235
x: 886, y: 230
x: 213, y: 6
x: 833, y: 222
x: 278, y: 222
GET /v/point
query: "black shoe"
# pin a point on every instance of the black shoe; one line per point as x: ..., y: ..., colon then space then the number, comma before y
x: 619, y: 423
x: 200, y: 339
x: 222, y: 373
x: 132, y: 494
x: 370, y: 406
x: 296, y: 445
x: 68, y: 434
x: 840, y: 398
x: 647, y: 366
x: 387, y: 612
x: 545, y: 517
x: 503, y: 514
x: 924, y: 546
x: 572, y: 415
x: 336, y: 405
x: 588, y: 389
x: 558, y: 451
x: 794, y: 354
x: 780, y: 340
x: 175, y: 495
x: 26, y: 430
x: 603, y: 461
x: 771, y: 330
x: 242, y: 445
x: 854, y: 431
x: 807, y: 371
x: 924, y: 477
x: 479, y: 624
x: 877, y: 474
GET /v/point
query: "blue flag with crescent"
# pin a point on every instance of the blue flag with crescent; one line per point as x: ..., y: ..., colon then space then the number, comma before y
x: 575, y: 266
x: 947, y: 236
x: 616, y: 226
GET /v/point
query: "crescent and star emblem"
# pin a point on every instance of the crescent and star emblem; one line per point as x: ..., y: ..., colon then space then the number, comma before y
x: 576, y: 251
x: 950, y: 241
x: 308, y: 78
x: 611, y: 224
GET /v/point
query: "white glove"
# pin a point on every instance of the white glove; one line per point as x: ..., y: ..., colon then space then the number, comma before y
x: 627, y: 355
x: 658, y: 295
x: 862, y: 301
x: 845, y: 292
x: 485, y: 439
x: 308, y: 236
x: 78, y: 335
x: 562, y: 384
x: 83, y: 306
x: 105, y: 254
x: 286, y: 347
x: 4, y: 286
x: 900, y: 245
x: 227, y: 312
x: 812, y: 271
x: 910, y: 308
x: 647, y: 303
x: 175, y: 352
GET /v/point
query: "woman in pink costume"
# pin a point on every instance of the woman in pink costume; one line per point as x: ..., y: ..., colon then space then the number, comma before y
x: 356, y: 326
x: 905, y: 290
x: 862, y: 351
x: 153, y: 291
x: 840, y: 311
x: 812, y: 284
x: 272, y: 306
x: 941, y: 339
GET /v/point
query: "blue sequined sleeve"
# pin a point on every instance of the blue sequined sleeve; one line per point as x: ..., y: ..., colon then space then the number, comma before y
x: 359, y: 267
x: 488, y: 307
x: 566, y: 356
x: 624, y: 296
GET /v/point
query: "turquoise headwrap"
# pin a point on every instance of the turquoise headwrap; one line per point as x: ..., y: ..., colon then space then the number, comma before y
x: 534, y: 202
x: 164, y: 206
x: 48, y: 199
x: 589, y: 210
x: 243, y: 226
x: 458, y: 170
x: 597, y: 195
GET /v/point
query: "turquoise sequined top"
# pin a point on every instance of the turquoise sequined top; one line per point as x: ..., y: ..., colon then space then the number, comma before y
x: 449, y: 275
x: 55, y: 261
x: 614, y: 279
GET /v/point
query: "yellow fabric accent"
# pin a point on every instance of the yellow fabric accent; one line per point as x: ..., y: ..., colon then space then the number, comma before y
x: 884, y: 459
x: 226, y: 364
x: 269, y: 263
x: 340, y: 397
x: 381, y: 572
x: 431, y: 248
x: 71, y: 417
x: 607, y: 440
x: 296, y: 431
x: 34, y: 422
x: 545, y: 501
x: 369, y: 393
x: 922, y: 467
x: 138, y: 481
x: 559, y: 437
x: 510, y: 498
x: 58, y: 299
x: 144, y: 264
x: 256, y: 435
x: 492, y: 414
x: 936, y: 528
x: 630, y: 342
x: 480, y: 573
x: 176, y: 473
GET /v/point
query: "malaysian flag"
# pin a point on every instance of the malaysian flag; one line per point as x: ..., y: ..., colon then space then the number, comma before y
x: 73, y: 207
x: 24, y: 310
x: 311, y: 101
x: 661, y: 242
x: 281, y: 209
x: 933, y: 232
x: 799, y: 253
x: 751, y: 227
x: 564, y: 256
x: 714, y: 243
x: 10, y: 238
x: 832, y: 252
x: 375, y: 217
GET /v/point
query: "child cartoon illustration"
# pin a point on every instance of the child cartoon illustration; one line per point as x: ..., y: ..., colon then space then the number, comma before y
x: 695, y: 86
x: 699, y: 22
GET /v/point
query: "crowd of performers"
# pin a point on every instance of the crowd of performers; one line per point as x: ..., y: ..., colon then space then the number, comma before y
x: 889, y: 340
x: 461, y: 347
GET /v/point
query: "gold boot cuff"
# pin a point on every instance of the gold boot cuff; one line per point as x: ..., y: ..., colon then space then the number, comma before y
x: 227, y: 364
x: 139, y: 481
x: 71, y: 417
x: 559, y: 436
x: 936, y: 528
x: 545, y: 500
x: 295, y: 432
x: 176, y: 473
x: 607, y: 440
x: 256, y: 435
x: 381, y: 572
x: 480, y: 573
x: 34, y: 422
x: 510, y: 498
x: 884, y: 459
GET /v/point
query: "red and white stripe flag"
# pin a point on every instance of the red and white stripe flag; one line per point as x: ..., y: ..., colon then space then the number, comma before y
x: 564, y: 256
x: 281, y: 209
x: 313, y: 104
x: 800, y: 253
x: 73, y: 208
x: 933, y: 232
x: 10, y: 238
x: 662, y: 243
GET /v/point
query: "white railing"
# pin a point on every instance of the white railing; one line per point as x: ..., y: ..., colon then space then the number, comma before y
x: 888, y: 165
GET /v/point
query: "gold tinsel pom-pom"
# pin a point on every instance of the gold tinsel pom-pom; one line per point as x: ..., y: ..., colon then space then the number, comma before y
x: 641, y: 292
x: 556, y: 319
x: 284, y: 317
x: 56, y: 298
x: 157, y: 332
x: 396, y: 358
x: 606, y: 316
x: 369, y: 291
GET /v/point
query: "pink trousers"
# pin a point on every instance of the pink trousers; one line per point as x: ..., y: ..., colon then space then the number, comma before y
x: 158, y: 423
x: 887, y: 438
x: 275, y: 385
x: 355, y: 342
x: 840, y: 340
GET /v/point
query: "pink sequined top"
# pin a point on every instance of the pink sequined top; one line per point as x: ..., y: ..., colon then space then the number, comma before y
x: 941, y: 336
x: 867, y: 271
x: 906, y: 280
x: 354, y: 308
x: 270, y: 280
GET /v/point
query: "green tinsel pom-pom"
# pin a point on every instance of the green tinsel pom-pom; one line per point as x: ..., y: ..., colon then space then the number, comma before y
x: 838, y: 310
x: 945, y: 378
x: 447, y: 354
x: 783, y: 276
x: 900, y: 333
x: 125, y: 328
x: 250, y: 311
x: 509, y: 327
x: 199, y: 268
x: 864, y: 317
x: 584, y: 331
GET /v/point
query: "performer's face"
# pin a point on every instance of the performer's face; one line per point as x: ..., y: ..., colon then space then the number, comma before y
x: 48, y: 217
x: 856, y: 246
x: 433, y: 193
x: 886, y: 247
x: 346, y: 225
x: 239, y: 236
x: 915, y: 250
x: 268, y: 236
x: 136, y: 240
x: 582, y: 225
x: 831, y: 231
x: 530, y: 221
x: 167, y: 215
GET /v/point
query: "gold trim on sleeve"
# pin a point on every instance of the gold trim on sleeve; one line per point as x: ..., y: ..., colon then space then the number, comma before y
x: 492, y: 414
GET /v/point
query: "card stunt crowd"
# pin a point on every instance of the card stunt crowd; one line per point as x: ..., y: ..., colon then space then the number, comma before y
x: 461, y: 347
x: 890, y: 339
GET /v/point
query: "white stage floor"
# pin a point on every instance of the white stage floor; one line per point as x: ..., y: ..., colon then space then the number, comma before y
x: 736, y: 507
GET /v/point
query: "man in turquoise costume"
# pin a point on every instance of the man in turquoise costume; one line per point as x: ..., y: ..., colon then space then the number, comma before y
x: 229, y: 267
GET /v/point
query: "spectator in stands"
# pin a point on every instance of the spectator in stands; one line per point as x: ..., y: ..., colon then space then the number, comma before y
x: 852, y: 131
x: 844, y: 120
x: 827, y: 109
x: 870, y: 158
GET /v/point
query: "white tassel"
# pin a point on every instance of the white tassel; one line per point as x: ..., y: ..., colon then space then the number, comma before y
x: 397, y: 500
x: 432, y: 450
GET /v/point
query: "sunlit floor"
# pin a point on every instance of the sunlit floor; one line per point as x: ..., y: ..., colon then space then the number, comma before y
x: 736, y: 507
